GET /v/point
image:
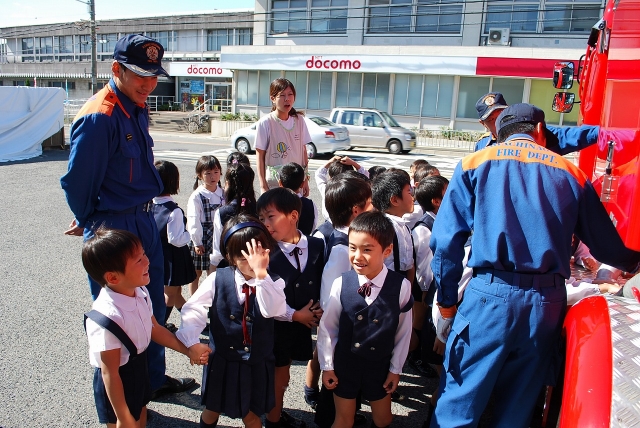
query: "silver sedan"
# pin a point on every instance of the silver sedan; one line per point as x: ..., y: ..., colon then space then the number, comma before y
x: 326, y: 137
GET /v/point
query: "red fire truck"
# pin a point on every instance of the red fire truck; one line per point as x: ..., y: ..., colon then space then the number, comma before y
x: 602, y: 371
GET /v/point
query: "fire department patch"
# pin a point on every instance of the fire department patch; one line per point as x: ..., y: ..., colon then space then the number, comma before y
x: 489, y: 100
x: 152, y: 53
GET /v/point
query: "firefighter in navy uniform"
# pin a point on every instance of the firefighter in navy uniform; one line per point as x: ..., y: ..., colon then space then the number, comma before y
x: 111, y: 177
x: 523, y: 203
x: 562, y: 140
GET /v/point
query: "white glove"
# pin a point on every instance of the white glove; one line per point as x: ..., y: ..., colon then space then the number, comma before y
x: 443, y: 327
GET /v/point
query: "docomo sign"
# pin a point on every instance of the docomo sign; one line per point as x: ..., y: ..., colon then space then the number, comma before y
x: 332, y: 64
x: 198, y: 69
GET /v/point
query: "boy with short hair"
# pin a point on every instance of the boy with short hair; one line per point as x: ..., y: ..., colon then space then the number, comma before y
x: 292, y: 176
x: 121, y: 325
x: 298, y: 260
x: 365, y: 331
x: 336, y: 165
x: 347, y: 196
x: 393, y: 195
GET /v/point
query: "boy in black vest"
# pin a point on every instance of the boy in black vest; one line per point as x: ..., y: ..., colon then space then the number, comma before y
x: 298, y: 260
x: 365, y: 330
x: 291, y: 176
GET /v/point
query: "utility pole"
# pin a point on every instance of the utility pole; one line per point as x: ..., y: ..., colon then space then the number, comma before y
x: 94, y: 53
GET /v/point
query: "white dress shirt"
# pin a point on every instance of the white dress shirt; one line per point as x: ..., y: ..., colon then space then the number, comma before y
x: 195, y: 313
x: 337, y: 264
x: 216, y: 255
x: 177, y: 235
x: 132, y: 314
x: 330, y: 322
x: 195, y: 210
x: 412, y: 218
x: 421, y: 237
x: 404, y: 243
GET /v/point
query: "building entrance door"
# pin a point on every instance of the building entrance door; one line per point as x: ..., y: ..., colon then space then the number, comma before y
x: 219, y: 96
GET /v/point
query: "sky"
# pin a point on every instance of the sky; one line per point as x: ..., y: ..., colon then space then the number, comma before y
x: 35, y: 12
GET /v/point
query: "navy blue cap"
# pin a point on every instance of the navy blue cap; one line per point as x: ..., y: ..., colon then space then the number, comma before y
x: 489, y: 103
x: 519, y: 113
x: 140, y: 54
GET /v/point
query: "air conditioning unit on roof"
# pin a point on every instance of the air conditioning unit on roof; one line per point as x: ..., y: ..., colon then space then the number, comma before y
x: 499, y: 36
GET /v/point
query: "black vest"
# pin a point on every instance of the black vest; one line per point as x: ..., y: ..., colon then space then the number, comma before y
x: 300, y: 287
x: 307, y: 216
x: 325, y: 229
x: 369, y: 330
x: 226, y: 314
x: 336, y: 238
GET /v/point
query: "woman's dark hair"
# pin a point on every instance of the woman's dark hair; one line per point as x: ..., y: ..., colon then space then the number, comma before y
x: 108, y: 251
x: 279, y: 85
x: 237, y: 157
x: 237, y: 242
x: 239, y: 187
x: 206, y: 163
x: 169, y: 175
x: 375, y: 224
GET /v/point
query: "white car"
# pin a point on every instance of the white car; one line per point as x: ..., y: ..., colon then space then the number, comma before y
x: 326, y: 137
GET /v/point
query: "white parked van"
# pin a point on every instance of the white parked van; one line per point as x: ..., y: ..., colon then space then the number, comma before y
x: 374, y: 128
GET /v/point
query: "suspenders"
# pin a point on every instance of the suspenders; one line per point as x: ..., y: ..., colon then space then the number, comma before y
x: 110, y: 325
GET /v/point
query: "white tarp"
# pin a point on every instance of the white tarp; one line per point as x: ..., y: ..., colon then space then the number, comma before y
x: 28, y: 116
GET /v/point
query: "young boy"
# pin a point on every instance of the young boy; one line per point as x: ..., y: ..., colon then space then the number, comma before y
x: 347, y: 196
x: 298, y: 261
x: 393, y: 195
x: 292, y: 176
x: 365, y: 331
x: 421, y: 172
x: 121, y: 325
x: 336, y: 165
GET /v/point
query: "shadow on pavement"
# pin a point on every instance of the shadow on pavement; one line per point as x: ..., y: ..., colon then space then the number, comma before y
x: 46, y: 156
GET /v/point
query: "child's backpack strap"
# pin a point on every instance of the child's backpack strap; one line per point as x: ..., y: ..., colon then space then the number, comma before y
x: 396, y: 252
x: 110, y: 325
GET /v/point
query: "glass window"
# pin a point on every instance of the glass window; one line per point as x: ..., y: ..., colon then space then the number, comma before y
x: 247, y: 87
x: 430, y: 96
x: 382, y: 91
x: 512, y: 89
x: 166, y: 38
x: 350, y: 117
x: 299, y: 80
x: 348, y: 89
x: 470, y: 91
x: 319, y: 97
x: 27, y: 46
x: 244, y: 36
x: 395, y: 18
x: 570, y: 18
x: 445, y: 96
x: 266, y: 77
x: 329, y: 21
x: 217, y: 38
x: 519, y: 18
x: 439, y: 16
x: 106, y: 43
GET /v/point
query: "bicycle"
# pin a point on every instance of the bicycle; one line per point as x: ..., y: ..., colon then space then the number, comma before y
x: 198, y: 122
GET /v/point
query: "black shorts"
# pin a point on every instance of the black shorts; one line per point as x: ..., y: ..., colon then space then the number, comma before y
x: 356, y: 374
x: 292, y: 341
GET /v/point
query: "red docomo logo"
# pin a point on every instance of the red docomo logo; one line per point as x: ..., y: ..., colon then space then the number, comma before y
x: 203, y: 70
x: 332, y: 64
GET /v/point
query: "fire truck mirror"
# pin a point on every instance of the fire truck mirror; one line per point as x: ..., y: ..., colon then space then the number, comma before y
x: 563, y: 102
x: 563, y: 75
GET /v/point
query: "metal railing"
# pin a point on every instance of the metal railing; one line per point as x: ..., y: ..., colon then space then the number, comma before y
x: 71, y: 108
x: 158, y: 100
x: 447, y: 139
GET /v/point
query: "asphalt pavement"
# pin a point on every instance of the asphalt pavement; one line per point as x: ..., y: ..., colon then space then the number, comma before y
x: 45, y: 376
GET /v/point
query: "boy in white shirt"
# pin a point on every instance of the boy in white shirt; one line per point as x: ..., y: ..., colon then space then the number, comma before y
x: 364, y: 333
x: 120, y: 327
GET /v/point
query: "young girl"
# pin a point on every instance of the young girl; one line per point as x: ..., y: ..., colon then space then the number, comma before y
x: 241, y: 301
x: 178, y: 264
x: 281, y: 136
x: 240, y: 197
x: 203, y: 201
x: 237, y: 157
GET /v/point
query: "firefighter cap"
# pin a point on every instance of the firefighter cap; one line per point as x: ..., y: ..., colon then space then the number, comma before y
x: 489, y: 103
x: 140, y: 54
x: 519, y: 113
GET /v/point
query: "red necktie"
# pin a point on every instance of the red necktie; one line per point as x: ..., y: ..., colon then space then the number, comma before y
x: 365, y: 289
x: 245, y: 331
